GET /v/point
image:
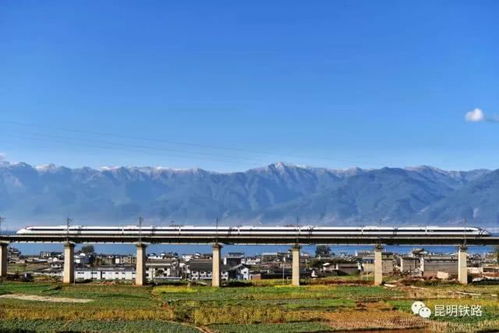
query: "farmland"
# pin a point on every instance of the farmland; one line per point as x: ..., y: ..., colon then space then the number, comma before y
x: 266, y: 306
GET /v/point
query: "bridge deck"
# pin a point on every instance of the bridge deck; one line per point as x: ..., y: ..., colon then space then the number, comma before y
x: 250, y: 240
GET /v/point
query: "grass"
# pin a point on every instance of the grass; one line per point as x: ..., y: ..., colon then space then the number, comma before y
x: 112, y: 296
x: 110, y: 302
x: 271, y: 328
x: 264, y: 307
x: 490, y: 308
x: 22, y: 268
x: 279, y: 292
x: 92, y: 326
x: 485, y: 296
x: 25, y: 288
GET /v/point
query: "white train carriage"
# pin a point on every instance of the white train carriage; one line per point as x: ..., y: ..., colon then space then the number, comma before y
x: 211, y: 231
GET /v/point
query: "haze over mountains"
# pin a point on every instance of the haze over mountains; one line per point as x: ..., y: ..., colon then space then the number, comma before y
x: 275, y: 194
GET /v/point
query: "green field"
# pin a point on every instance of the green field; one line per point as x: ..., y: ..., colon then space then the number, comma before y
x: 266, y: 307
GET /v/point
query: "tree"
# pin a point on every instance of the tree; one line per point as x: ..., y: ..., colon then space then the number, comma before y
x: 316, y: 263
x: 88, y: 249
x: 322, y: 251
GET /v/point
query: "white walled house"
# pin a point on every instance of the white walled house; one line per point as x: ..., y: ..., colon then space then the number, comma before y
x: 110, y: 274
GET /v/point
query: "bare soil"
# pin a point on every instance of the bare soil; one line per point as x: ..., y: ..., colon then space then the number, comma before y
x: 46, y: 298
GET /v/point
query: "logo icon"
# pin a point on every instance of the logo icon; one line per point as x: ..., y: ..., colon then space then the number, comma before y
x: 419, y: 308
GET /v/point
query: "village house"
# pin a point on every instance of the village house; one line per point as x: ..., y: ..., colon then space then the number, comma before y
x: 431, y: 265
x: 167, y: 268
x: 201, y: 269
x: 408, y: 265
x: 233, y: 259
x: 105, y: 273
x: 367, y: 263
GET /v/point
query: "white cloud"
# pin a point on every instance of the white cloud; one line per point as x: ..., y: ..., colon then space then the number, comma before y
x: 475, y: 116
x: 3, y: 159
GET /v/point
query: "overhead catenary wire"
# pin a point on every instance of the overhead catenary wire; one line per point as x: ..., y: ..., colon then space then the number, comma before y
x: 104, y: 145
x: 261, y: 156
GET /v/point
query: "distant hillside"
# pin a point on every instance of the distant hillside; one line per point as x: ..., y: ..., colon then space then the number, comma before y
x: 275, y: 194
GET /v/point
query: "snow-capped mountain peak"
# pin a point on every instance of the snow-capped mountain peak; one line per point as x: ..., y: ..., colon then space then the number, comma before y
x: 277, y: 193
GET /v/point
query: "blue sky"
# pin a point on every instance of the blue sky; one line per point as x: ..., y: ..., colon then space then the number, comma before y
x: 230, y: 85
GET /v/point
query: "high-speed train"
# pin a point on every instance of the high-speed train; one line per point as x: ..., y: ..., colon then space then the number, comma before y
x: 223, y: 231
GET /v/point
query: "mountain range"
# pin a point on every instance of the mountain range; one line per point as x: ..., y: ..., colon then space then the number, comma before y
x: 276, y: 194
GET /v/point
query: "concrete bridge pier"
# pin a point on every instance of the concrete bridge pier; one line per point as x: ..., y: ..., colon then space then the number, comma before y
x: 378, y: 265
x: 69, y: 267
x: 4, y: 250
x: 462, y: 267
x: 295, y: 269
x: 140, y: 265
x: 215, y: 271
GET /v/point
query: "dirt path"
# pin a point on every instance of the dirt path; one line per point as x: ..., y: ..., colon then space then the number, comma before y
x: 46, y: 298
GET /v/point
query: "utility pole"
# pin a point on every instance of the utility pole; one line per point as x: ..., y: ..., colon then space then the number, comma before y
x: 140, y: 229
x: 464, y: 232
x: 68, y: 223
x: 283, y: 277
x: 216, y: 231
x: 297, y: 230
x: 2, y: 219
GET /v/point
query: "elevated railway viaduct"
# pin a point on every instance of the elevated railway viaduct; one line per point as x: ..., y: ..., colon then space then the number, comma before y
x: 217, y: 241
